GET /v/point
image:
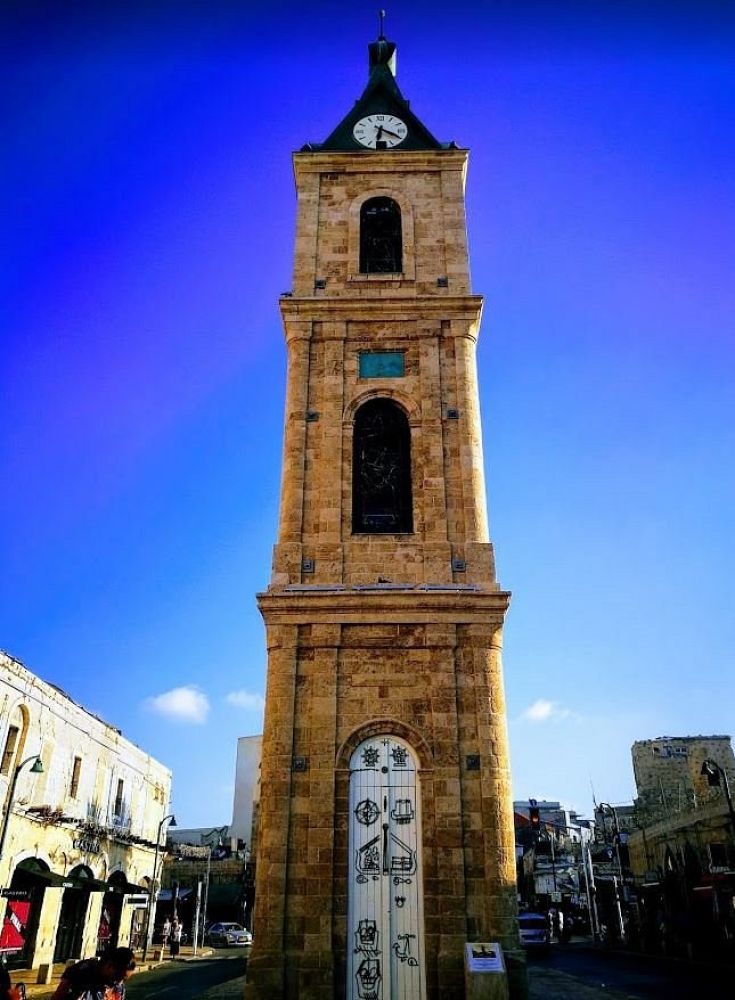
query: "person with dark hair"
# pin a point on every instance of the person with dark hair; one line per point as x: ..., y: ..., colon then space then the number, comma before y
x: 8, y: 991
x: 97, y: 978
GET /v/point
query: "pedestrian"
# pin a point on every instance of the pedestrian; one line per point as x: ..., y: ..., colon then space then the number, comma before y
x: 8, y: 991
x: 166, y: 931
x: 175, y: 938
x: 100, y: 978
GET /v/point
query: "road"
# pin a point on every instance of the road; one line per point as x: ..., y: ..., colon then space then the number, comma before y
x: 221, y: 977
x: 579, y: 973
x: 569, y: 973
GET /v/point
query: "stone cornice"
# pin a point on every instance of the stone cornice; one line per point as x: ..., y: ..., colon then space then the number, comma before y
x: 461, y: 605
x: 392, y: 161
x: 391, y: 308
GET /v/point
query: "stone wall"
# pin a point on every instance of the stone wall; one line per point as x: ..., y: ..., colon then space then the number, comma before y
x: 392, y: 634
x: 668, y: 772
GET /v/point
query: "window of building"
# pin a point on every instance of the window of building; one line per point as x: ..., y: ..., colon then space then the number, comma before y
x: 75, y: 772
x: 381, y: 238
x: 381, y: 469
x: 11, y: 742
x: 119, y: 797
x: 717, y: 855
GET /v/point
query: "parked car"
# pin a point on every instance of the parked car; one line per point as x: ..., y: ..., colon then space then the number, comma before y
x: 535, y: 932
x: 228, y: 934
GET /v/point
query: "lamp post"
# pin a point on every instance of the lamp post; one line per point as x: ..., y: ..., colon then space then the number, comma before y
x: 616, y: 842
x: 712, y: 771
x: 36, y: 769
x: 152, y: 886
x: 616, y: 834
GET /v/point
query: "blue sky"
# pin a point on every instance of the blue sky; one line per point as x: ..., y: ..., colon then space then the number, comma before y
x: 148, y: 201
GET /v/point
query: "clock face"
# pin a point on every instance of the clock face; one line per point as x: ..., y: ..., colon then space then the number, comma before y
x: 380, y: 131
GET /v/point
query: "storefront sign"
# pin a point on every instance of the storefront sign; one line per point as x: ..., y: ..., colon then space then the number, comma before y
x: 87, y: 845
x: 12, y: 935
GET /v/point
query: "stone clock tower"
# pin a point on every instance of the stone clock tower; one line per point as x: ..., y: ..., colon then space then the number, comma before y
x: 386, y: 834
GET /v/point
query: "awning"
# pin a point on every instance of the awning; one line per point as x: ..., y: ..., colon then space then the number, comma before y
x: 50, y: 878
x: 126, y: 890
x: 88, y: 884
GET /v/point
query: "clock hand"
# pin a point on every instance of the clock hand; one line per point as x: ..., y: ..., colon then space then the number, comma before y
x: 393, y: 135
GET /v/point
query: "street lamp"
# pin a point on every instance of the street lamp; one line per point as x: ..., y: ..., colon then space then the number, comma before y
x: 152, y: 886
x: 616, y: 842
x: 36, y: 769
x: 616, y: 833
x: 712, y: 771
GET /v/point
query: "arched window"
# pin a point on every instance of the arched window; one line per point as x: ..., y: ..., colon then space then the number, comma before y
x: 14, y: 739
x: 381, y: 469
x: 381, y: 239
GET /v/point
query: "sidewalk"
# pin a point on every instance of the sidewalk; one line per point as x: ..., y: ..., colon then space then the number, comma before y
x: 550, y: 984
x: 45, y: 990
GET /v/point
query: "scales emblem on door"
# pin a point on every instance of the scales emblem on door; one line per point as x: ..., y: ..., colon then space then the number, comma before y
x: 385, y: 958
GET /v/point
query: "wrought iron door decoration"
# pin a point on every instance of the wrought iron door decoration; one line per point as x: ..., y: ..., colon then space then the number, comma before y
x: 367, y: 812
x: 385, y: 957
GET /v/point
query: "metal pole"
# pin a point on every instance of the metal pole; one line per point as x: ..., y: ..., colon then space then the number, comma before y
x: 11, y: 795
x: 616, y: 841
x: 152, y: 889
x: 589, y: 895
x: 206, y: 893
x: 621, y: 925
x: 594, y: 914
x: 197, y: 911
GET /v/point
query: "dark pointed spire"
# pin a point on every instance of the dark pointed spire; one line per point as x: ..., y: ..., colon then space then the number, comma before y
x: 380, y: 96
x: 382, y: 52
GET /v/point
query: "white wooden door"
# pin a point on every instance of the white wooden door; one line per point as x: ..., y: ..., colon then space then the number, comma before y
x: 385, y: 932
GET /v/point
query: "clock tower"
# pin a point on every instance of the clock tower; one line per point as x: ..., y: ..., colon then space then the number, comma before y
x: 386, y: 827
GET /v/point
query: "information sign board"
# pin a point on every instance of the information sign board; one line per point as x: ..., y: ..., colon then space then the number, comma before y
x: 484, y: 956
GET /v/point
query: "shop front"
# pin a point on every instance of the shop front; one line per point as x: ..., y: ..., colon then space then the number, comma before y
x: 24, y: 900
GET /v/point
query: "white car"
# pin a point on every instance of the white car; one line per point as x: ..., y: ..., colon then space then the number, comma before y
x: 229, y: 935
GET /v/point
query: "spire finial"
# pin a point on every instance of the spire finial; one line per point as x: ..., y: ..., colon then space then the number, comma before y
x: 381, y: 25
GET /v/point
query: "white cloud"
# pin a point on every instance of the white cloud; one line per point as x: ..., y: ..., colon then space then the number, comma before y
x: 542, y: 710
x: 182, y: 704
x: 246, y: 699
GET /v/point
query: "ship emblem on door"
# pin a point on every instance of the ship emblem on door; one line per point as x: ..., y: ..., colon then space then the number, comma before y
x: 385, y: 916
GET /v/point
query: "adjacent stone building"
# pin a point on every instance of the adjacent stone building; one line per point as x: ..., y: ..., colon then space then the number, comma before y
x: 386, y: 824
x: 80, y: 812
x: 668, y: 773
x: 681, y: 845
